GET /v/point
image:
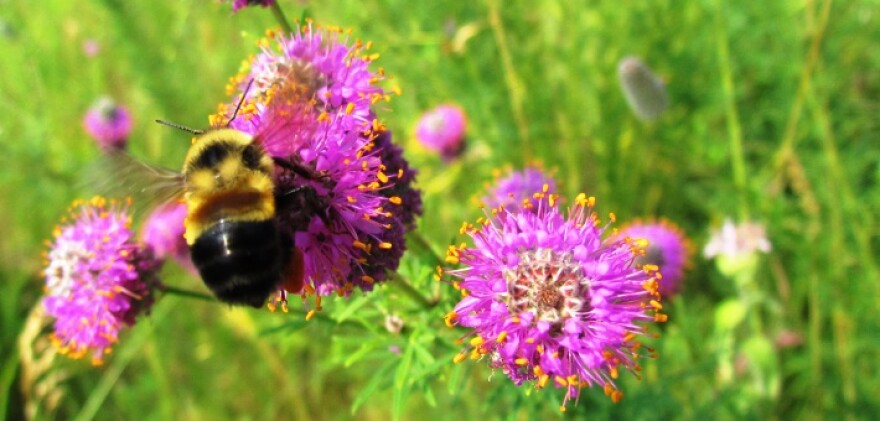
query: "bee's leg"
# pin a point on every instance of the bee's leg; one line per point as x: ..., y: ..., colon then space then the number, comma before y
x: 295, y: 166
x: 293, y: 275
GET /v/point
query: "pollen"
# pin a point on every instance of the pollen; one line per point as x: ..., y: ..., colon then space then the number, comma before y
x: 395, y: 200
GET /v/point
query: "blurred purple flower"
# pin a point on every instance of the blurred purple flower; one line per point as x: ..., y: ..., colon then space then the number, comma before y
x: 549, y: 301
x: 442, y: 130
x: 163, y: 231
x: 108, y: 123
x: 239, y: 4
x: 98, y: 280
x: 668, y: 248
x: 91, y: 47
x: 516, y: 190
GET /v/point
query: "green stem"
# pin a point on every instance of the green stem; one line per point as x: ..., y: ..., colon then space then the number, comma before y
x: 734, y: 129
x: 422, y: 242
x: 187, y: 293
x: 279, y: 16
x: 401, y: 284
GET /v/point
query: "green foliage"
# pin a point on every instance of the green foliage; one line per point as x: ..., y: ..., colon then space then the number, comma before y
x: 794, y: 84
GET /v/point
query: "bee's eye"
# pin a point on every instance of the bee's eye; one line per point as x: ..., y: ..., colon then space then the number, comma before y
x: 251, y: 157
x: 212, y: 155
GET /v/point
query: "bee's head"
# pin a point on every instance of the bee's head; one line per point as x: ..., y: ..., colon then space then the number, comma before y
x: 225, y: 158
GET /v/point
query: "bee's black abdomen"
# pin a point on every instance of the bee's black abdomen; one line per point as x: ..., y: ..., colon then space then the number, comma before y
x: 240, y: 261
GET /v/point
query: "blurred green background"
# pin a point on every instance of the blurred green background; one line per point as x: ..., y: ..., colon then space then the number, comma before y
x: 796, y: 83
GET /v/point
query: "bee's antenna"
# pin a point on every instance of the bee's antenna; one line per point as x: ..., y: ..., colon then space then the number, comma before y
x: 180, y: 127
x: 241, y: 101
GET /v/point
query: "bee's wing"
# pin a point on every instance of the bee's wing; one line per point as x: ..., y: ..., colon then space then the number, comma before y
x: 119, y: 175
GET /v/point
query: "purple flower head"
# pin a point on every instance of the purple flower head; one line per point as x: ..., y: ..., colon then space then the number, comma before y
x: 108, y: 123
x: 239, y: 4
x: 98, y: 280
x: 517, y: 190
x: 163, y: 232
x: 667, y: 248
x: 442, y: 130
x: 550, y: 301
x: 309, y: 106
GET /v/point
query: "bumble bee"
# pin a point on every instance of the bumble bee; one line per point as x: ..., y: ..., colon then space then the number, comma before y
x: 231, y: 227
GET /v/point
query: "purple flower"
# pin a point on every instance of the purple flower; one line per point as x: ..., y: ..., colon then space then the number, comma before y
x: 310, y: 105
x: 163, y: 232
x: 644, y: 91
x: 549, y: 301
x: 668, y: 248
x: 239, y: 4
x: 517, y: 190
x: 108, y: 123
x: 98, y: 280
x: 442, y: 130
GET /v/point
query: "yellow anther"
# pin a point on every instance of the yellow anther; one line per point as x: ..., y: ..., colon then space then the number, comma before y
x: 660, y: 318
x: 561, y: 380
x: 459, y: 357
x: 351, y: 199
x: 395, y: 200
x: 310, y: 314
x: 349, y: 108
x: 656, y: 304
x: 476, y: 341
x: 366, y: 278
x: 385, y: 245
x: 542, y: 381
x: 521, y: 361
x: 450, y: 318
x: 501, y: 336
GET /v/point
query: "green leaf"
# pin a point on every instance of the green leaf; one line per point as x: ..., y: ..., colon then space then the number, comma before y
x: 365, y: 348
x: 353, y: 306
x: 456, y: 377
x: 401, y: 388
x: 729, y: 315
x: 429, y: 396
x: 377, y: 380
